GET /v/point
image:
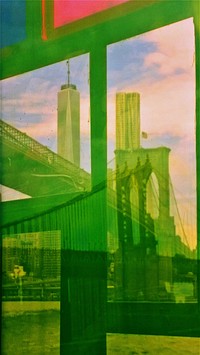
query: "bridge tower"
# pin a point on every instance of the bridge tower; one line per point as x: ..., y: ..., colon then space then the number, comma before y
x: 145, y: 243
x: 136, y: 260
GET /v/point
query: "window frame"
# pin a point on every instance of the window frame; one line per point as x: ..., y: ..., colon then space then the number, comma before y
x: 94, y: 39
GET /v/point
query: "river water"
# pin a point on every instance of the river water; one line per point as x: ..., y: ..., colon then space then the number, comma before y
x: 33, y: 328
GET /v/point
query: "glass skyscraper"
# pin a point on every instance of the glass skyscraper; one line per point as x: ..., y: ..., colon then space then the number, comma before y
x: 69, y: 123
x: 127, y: 120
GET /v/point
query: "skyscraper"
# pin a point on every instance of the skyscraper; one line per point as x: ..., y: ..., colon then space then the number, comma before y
x: 127, y: 120
x: 68, y: 132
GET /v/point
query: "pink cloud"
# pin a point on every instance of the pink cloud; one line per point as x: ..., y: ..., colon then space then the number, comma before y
x: 167, y: 105
x: 167, y: 98
x: 175, y: 47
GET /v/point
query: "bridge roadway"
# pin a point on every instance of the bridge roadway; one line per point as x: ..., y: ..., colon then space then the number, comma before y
x: 33, y: 169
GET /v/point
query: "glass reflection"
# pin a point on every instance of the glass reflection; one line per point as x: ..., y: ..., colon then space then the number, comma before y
x: 151, y: 176
x: 31, y: 292
x: 29, y: 260
x: 45, y: 138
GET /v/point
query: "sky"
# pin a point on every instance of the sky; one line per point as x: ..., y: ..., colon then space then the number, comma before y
x: 160, y: 65
x: 29, y: 101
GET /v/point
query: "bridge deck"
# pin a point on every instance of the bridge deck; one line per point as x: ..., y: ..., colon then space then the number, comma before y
x: 31, y: 168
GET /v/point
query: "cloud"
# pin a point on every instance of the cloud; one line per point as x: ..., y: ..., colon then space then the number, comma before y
x: 30, y: 100
x: 175, y: 47
x: 167, y: 81
x: 32, y: 115
x: 167, y: 105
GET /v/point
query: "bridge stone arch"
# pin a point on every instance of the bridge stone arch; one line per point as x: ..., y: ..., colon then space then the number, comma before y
x: 152, y: 196
x: 134, y: 203
x: 159, y: 159
x: 159, y: 166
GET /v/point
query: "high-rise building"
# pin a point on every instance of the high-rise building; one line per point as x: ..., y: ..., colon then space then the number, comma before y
x: 68, y: 132
x: 38, y: 253
x: 127, y: 120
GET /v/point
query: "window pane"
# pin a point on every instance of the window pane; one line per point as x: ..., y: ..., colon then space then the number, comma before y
x: 45, y: 137
x: 45, y: 131
x: 152, y: 242
x: 31, y: 292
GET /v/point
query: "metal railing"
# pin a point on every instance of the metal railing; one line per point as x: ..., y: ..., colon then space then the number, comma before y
x: 22, y: 142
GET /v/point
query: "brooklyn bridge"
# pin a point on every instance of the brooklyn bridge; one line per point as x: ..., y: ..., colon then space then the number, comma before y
x: 54, y: 231
x: 33, y: 169
x: 138, y: 211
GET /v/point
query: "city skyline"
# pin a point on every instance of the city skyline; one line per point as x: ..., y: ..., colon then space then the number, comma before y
x: 159, y: 65
x: 38, y: 253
